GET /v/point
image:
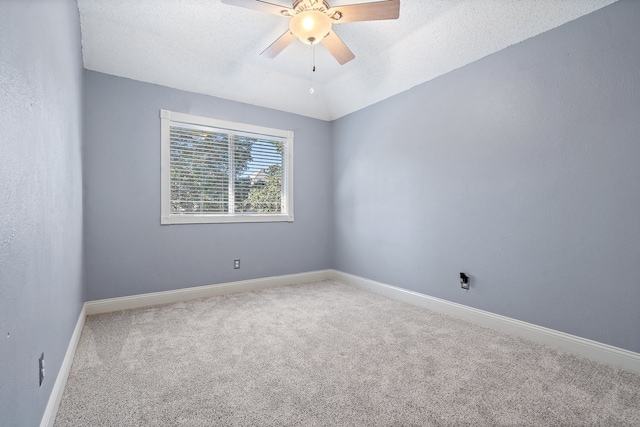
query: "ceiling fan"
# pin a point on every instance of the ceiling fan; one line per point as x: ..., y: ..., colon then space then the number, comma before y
x: 311, y: 22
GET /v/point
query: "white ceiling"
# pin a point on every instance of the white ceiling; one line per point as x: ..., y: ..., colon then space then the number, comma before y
x: 207, y: 47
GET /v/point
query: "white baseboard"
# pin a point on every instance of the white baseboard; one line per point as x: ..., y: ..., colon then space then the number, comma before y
x: 581, y: 346
x: 155, y: 298
x: 55, y: 397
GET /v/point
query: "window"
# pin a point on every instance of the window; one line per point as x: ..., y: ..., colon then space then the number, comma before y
x: 217, y: 171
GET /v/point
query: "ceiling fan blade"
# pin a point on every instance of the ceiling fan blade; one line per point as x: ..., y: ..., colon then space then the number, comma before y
x: 338, y: 49
x: 389, y: 9
x: 279, y: 45
x: 262, y: 6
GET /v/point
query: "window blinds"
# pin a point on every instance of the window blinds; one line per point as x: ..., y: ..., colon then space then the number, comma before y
x: 219, y: 171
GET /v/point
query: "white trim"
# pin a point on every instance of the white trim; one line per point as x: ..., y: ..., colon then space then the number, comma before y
x: 223, y: 218
x: 165, y: 166
x: 593, y: 350
x: 222, y: 124
x: 155, y: 298
x: 55, y: 397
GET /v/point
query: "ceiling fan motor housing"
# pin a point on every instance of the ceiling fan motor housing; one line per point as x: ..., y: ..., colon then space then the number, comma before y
x: 302, y: 5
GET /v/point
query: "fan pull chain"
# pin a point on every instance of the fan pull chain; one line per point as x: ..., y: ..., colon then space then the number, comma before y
x: 313, y: 67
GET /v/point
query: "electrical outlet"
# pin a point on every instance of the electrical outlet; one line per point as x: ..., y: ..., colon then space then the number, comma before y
x: 236, y: 264
x: 41, y: 368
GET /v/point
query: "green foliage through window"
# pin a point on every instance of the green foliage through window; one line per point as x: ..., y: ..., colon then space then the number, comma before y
x: 217, y: 172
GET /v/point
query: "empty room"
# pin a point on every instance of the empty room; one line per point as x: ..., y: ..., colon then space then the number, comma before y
x: 329, y: 213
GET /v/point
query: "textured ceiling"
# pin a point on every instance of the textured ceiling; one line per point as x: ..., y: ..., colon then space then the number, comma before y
x: 208, y: 47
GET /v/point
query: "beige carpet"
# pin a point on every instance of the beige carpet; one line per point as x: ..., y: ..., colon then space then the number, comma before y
x: 328, y: 354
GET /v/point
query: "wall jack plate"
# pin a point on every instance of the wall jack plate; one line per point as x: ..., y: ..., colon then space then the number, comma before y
x: 236, y: 264
x: 41, y: 368
x: 464, y: 281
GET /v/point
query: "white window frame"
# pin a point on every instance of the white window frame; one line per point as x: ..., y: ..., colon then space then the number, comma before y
x: 167, y: 217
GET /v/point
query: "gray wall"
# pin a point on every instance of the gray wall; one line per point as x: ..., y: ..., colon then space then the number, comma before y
x: 41, y: 291
x: 521, y: 169
x: 128, y: 252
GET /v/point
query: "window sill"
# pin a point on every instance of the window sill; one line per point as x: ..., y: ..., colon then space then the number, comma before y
x: 218, y: 219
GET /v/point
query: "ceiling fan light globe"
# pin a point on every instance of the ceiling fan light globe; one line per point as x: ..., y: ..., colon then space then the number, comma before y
x: 310, y: 26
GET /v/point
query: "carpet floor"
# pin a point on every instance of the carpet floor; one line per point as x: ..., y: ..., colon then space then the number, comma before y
x: 328, y: 354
